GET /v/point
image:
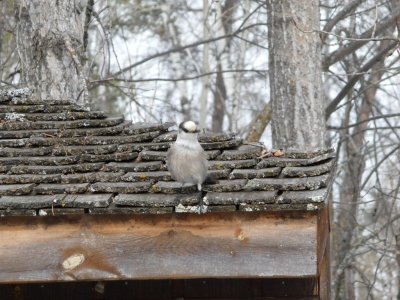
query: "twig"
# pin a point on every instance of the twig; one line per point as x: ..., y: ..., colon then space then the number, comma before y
x: 353, y: 80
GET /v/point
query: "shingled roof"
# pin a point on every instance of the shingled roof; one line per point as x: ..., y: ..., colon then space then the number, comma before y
x: 57, y: 157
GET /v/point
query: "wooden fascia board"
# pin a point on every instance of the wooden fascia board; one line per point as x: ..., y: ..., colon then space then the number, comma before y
x: 323, y: 250
x: 171, y: 246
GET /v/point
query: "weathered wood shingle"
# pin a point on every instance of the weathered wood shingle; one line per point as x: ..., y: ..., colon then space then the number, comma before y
x: 57, y: 157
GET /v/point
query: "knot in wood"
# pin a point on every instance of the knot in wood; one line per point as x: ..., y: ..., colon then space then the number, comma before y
x: 172, y: 233
x: 73, y: 261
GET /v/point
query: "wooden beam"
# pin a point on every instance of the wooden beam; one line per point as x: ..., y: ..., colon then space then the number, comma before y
x: 323, y: 248
x: 206, y: 288
x: 101, y: 247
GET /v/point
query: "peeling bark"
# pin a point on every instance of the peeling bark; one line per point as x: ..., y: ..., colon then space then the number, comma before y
x: 295, y: 75
x: 48, y: 67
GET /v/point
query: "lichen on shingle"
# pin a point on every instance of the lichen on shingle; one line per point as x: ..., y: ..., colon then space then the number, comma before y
x: 14, y: 117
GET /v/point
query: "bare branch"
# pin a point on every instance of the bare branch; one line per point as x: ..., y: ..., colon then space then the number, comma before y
x: 367, y: 120
x: 362, y: 39
x: 354, y: 79
x: 181, y: 48
x: 339, y: 16
x: 94, y: 83
x: 394, y: 150
x: 88, y: 17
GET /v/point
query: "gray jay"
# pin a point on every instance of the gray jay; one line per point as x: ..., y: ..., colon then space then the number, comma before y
x: 186, y: 159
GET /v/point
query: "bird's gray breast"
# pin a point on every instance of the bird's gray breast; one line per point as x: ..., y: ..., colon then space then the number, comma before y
x: 187, y: 164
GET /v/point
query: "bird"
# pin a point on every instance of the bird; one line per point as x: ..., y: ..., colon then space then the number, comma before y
x: 186, y: 159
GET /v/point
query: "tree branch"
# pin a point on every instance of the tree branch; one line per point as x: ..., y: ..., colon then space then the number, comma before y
x: 339, y: 16
x: 361, y: 40
x: 367, y: 120
x: 181, y: 48
x: 354, y: 79
x: 258, y: 125
x: 377, y: 166
x: 95, y: 83
x: 88, y: 17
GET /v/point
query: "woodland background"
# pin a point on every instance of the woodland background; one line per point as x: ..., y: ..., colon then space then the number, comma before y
x: 209, y: 61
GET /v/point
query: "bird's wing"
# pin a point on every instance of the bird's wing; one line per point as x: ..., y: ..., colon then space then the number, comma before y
x: 170, y: 153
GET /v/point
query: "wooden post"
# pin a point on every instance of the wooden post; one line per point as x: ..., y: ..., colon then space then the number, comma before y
x: 323, y: 249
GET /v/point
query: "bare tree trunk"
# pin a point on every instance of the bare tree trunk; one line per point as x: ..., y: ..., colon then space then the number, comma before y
x: 295, y: 75
x: 223, y: 86
x: 259, y: 124
x: 178, y: 66
x: 350, y: 190
x: 219, y: 102
x: 398, y: 263
x: 50, y: 47
x: 238, y: 78
x: 2, y: 9
x: 205, y: 69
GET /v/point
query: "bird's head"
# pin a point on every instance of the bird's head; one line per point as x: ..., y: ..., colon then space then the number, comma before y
x: 188, y: 127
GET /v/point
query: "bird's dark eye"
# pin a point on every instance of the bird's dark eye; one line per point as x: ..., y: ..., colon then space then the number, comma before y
x: 182, y: 127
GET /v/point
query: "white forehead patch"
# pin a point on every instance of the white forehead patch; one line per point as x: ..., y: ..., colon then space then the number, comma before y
x: 190, y: 126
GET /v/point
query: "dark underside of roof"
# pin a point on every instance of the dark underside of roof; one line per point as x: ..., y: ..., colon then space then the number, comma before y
x: 57, y: 157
